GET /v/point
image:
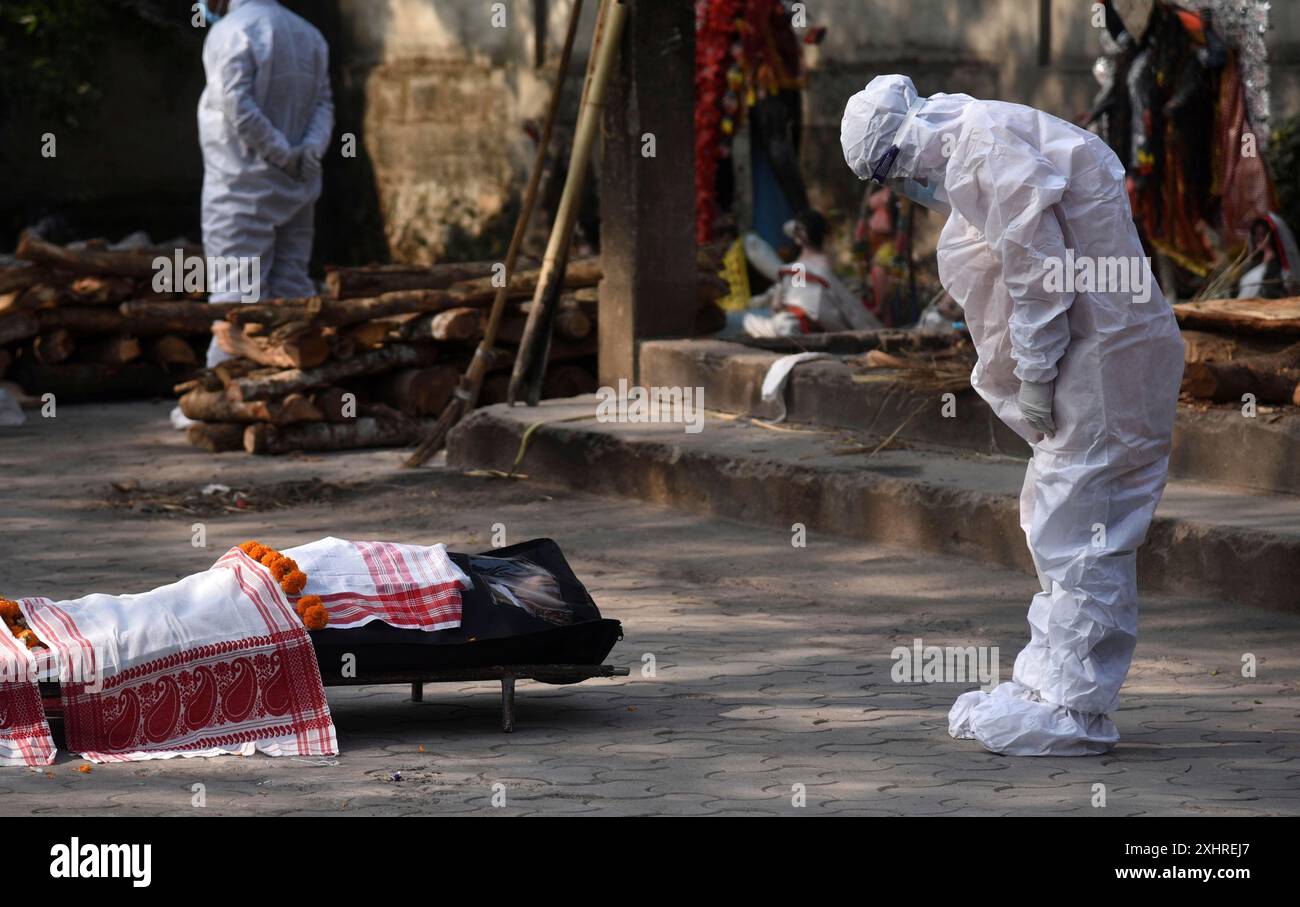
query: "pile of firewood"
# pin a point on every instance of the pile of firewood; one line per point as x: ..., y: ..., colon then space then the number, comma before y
x: 375, y: 360
x: 1235, y: 347
x: 84, y: 322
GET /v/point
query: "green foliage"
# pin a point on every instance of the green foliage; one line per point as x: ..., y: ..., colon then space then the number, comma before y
x: 47, y: 57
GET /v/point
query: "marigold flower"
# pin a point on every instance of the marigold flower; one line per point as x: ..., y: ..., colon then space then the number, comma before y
x: 294, y: 582
x: 282, y: 567
x: 33, y: 642
x: 316, y: 618
x: 269, y: 557
x: 9, y: 610
x: 308, y: 601
x: 248, y: 546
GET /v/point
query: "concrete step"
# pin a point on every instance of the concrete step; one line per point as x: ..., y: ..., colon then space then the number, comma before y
x: 1209, y: 540
x: 1214, y: 444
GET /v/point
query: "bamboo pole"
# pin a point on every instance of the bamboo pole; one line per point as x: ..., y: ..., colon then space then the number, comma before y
x: 535, y: 338
x: 466, y: 395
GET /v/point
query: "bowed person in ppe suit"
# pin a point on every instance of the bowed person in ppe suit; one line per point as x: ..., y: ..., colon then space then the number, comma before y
x: 265, y: 119
x: 1086, y: 370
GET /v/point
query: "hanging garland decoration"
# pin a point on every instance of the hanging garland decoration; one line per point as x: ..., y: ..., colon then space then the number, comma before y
x: 715, y: 27
x: 311, y: 610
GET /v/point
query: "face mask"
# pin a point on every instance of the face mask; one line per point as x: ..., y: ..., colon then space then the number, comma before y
x: 922, y: 193
x: 208, y: 15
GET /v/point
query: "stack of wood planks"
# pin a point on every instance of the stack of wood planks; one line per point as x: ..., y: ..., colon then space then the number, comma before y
x: 85, y: 322
x: 375, y: 359
x: 1236, y: 347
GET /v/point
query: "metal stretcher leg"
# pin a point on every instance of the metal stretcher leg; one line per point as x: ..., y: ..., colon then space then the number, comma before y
x: 507, y: 704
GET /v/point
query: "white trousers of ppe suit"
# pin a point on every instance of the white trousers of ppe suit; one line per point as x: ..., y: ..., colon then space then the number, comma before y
x: 1030, y: 196
x: 267, y: 103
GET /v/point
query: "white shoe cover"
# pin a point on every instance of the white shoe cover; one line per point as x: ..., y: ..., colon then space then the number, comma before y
x: 1013, y: 721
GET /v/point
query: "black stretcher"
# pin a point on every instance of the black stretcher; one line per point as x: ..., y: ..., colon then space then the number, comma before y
x: 495, y: 641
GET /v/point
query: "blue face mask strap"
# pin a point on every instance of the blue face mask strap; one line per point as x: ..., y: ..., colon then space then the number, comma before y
x: 886, y: 162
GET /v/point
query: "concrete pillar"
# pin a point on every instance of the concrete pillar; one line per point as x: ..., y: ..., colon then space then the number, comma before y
x: 647, y: 204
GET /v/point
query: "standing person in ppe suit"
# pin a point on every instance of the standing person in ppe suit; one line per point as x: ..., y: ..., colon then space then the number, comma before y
x: 265, y: 119
x: 1087, y: 371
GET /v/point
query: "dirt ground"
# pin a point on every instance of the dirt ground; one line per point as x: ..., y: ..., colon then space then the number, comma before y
x: 771, y: 662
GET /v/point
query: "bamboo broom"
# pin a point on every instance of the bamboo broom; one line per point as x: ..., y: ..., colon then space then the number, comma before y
x: 471, y: 383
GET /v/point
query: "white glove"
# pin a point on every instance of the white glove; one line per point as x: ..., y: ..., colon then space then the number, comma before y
x: 310, y: 162
x: 1036, y: 405
x: 290, y: 163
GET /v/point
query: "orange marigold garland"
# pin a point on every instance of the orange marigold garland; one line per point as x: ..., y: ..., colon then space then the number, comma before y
x: 316, y: 618
x: 294, y: 582
x: 17, y: 625
x: 310, y: 609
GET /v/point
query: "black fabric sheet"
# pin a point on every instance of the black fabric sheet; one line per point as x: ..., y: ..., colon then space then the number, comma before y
x: 490, y: 633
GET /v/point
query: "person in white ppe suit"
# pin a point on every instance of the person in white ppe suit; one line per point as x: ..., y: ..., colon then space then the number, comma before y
x: 265, y: 120
x: 806, y: 296
x: 1086, y: 370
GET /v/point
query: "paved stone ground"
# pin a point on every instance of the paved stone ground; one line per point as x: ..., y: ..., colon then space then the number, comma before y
x: 773, y: 662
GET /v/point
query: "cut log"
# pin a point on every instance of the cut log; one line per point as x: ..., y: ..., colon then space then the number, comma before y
x: 277, y: 384
x: 216, y: 437
x: 306, y: 349
x: 419, y: 391
x: 568, y: 380
x: 83, y: 320
x: 16, y: 278
x: 1272, y: 378
x: 571, y: 323
x: 335, y: 404
x: 18, y: 326
x: 339, y: 312
x: 374, y: 280
x: 151, y: 318
x: 53, y: 347
x: 1205, y: 346
x: 210, y: 406
x: 112, y: 350
x: 43, y: 296
x: 170, y: 350
x: 366, y: 431
x: 1247, y: 315
x: 92, y: 261
x: 581, y: 272
x: 102, y: 290
x: 462, y: 324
